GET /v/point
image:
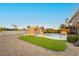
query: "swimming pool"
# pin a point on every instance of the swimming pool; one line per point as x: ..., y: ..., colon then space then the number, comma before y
x: 55, y: 36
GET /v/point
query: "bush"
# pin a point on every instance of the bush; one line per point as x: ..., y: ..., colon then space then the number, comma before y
x: 1, y: 30
x: 72, y: 38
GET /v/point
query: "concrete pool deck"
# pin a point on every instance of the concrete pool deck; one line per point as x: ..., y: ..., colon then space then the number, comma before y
x: 10, y: 45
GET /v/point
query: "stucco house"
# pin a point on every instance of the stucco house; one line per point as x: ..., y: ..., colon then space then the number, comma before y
x: 73, y: 24
x: 34, y: 30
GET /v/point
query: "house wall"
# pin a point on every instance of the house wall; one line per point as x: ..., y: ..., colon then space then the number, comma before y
x: 74, y: 20
x: 75, y: 29
x: 78, y: 31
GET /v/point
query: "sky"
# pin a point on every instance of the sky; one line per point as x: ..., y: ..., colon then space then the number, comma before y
x: 49, y: 15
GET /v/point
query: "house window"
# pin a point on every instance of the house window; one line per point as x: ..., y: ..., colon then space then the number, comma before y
x: 70, y: 24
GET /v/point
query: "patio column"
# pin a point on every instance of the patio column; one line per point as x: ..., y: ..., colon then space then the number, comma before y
x: 77, y: 29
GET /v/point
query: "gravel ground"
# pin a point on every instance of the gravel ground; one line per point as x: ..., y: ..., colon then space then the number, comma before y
x: 10, y: 45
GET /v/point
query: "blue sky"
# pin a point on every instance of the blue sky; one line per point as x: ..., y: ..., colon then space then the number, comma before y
x: 41, y: 14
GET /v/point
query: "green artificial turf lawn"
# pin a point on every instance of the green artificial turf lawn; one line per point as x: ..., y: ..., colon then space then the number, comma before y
x: 58, y: 45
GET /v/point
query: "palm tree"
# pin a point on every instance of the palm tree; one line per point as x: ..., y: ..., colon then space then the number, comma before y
x: 15, y: 27
x: 66, y: 22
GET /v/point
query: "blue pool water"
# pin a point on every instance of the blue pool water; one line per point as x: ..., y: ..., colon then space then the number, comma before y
x: 55, y: 36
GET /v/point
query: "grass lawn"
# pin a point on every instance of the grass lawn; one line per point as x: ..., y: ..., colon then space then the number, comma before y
x: 58, y: 45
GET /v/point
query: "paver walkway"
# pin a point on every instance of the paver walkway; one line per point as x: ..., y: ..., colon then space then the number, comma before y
x: 10, y: 45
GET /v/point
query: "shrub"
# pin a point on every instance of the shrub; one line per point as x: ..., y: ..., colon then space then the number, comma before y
x: 1, y: 29
x: 72, y: 38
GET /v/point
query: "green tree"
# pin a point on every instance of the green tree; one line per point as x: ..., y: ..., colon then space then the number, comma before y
x: 62, y: 26
x: 65, y: 25
x: 28, y: 26
x: 1, y: 28
x: 50, y: 30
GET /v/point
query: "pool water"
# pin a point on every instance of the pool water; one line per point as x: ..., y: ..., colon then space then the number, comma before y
x: 55, y: 36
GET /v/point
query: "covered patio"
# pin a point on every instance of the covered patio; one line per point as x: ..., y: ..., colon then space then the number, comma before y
x: 74, y: 29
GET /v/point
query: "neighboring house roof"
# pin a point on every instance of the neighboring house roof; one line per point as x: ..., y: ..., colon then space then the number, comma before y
x: 77, y: 13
